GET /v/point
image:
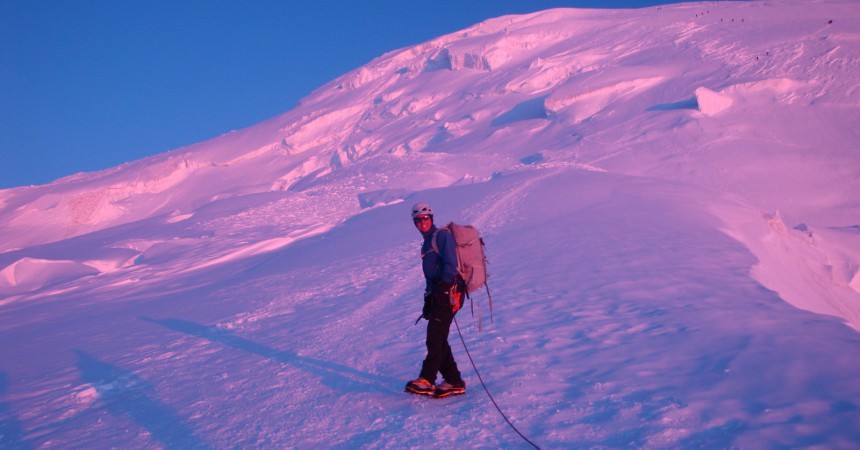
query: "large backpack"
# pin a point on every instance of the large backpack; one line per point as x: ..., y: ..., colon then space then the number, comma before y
x: 471, y: 260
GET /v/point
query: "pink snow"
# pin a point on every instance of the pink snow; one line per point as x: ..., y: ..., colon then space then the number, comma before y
x: 670, y: 202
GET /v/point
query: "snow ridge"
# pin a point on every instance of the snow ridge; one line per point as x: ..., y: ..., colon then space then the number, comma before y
x: 669, y: 198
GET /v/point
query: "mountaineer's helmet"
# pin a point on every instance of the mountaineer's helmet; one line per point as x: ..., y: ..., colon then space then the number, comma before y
x: 421, y: 209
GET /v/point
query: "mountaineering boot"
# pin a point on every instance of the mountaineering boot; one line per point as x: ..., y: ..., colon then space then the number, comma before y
x: 420, y: 386
x: 447, y: 389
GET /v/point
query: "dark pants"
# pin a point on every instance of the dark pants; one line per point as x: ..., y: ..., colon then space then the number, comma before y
x: 439, y: 357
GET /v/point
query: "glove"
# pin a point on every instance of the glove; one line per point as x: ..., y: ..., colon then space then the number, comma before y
x: 425, y: 312
x: 443, y: 286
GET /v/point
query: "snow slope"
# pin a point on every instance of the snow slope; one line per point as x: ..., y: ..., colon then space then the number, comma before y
x: 670, y: 201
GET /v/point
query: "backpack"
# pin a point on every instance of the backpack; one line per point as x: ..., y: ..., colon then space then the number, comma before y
x: 471, y: 260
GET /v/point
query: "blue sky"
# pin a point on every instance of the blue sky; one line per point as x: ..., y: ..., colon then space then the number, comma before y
x: 86, y: 85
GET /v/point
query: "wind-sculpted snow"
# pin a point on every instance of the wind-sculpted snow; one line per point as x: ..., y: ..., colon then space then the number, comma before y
x: 669, y: 198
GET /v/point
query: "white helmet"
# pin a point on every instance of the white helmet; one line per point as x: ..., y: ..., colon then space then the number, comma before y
x: 420, y: 209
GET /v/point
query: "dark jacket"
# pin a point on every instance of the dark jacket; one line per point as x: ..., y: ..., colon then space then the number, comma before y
x: 440, y: 269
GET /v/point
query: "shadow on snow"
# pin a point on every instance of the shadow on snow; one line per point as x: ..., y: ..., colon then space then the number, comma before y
x: 691, y: 103
x: 11, y: 433
x: 125, y: 394
x: 331, y: 374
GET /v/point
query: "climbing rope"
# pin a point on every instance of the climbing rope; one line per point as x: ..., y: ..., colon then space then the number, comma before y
x: 488, y: 391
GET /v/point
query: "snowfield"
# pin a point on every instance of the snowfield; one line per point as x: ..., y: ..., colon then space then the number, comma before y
x: 670, y: 199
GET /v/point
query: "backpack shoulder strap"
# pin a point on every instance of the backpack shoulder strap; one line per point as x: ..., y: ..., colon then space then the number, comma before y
x: 433, y: 243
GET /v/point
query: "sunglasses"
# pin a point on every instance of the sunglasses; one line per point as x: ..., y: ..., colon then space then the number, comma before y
x: 421, y: 218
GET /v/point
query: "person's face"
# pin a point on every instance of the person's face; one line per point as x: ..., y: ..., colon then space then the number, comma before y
x: 423, y: 223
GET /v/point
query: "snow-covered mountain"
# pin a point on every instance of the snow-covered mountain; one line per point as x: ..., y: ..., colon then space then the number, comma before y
x: 670, y: 200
